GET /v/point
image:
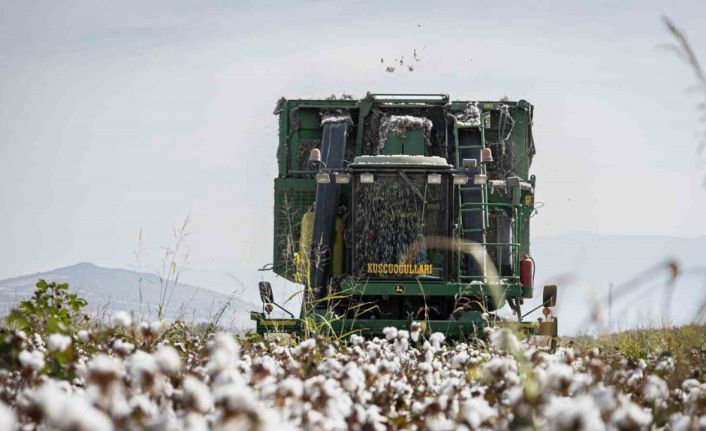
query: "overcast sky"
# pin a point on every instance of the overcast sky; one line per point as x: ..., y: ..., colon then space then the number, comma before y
x: 127, y: 116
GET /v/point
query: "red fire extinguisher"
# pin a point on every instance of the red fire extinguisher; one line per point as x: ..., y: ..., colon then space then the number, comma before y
x: 526, y: 270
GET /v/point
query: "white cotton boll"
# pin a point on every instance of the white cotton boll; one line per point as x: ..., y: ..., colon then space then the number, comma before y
x: 604, y: 398
x: 305, y: 346
x: 7, y: 417
x: 194, y: 422
x: 141, y: 365
x: 49, y: 399
x: 576, y: 413
x: 477, y: 411
x: 436, y: 339
x: 401, y: 345
x: 66, y: 412
x: 37, y: 341
x: 680, y: 422
x: 390, y: 333
x: 83, y: 335
x: 330, y: 351
x: 105, y: 365
x: 103, y: 372
x: 635, y: 378
x: 81, y: 368
x: 121, y: 319
x: 459, y: 360
x: 629, y: 415
x: 81, y: 416
x: 512, y: 396
x: 33, y: 360
x: 157, y: 326
x: 58, y: 342
x: 499, y: 369
x: 655, y: 390
x: 353, y: 377
x: 197, y: 395
x: 167, y: 359
x: 415, y: 330
x: 370, y: 417
x: 123, y: 347
x: 236, y: 398
x: 580, y: 383
x: 559, y: 376
x: 229, y: 376
x: 666, y: 366
x: 141, y: 403
x: 439, y: 422
x: 505, y: 340
x: 689, y: 384
x: 224, y: 353
x: 291, y: 387
x: 357, y: 340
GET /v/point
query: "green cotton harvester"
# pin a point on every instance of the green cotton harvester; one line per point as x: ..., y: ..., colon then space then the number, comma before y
x: 401, y: 208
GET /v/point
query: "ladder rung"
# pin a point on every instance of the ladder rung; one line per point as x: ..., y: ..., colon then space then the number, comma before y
x: 479, y: 229
x: 465, y: 147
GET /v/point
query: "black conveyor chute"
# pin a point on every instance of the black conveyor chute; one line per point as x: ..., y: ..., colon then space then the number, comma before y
x: 333, y: 146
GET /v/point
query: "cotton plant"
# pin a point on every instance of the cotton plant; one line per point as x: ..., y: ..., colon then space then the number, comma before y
x: 139, y: 375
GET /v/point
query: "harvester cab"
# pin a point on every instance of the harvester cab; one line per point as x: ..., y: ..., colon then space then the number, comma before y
x: 401, y: 208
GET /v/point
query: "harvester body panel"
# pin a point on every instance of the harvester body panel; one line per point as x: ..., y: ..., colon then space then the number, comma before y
x: 413, y: 208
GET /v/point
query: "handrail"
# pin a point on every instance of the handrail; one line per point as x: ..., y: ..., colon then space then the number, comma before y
x: 406, y: 97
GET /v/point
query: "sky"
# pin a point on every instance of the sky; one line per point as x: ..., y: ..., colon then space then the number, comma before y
x: 125, y: 118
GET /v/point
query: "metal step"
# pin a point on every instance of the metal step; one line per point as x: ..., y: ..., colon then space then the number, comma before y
x: 473, y: 230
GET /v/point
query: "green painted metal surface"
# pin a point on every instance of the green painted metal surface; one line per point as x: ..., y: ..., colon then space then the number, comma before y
x: 300, y: 131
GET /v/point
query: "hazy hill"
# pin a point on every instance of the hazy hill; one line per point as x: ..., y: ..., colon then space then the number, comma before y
x: 582, y: 264
x: 121, y: 289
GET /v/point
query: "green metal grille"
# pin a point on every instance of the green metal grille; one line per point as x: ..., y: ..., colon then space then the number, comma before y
x: 293, y: 197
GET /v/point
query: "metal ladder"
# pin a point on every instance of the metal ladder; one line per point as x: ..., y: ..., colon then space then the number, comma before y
x: 472, y: 198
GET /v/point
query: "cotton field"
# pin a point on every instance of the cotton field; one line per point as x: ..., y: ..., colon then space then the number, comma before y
x: 143, y: 376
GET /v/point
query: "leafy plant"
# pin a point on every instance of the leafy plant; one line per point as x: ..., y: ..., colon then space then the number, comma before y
x: 51, y: 309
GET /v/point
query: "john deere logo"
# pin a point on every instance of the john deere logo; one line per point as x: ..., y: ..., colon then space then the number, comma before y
x: 399, y: 289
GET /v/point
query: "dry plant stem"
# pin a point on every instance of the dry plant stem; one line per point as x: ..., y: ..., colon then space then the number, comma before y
x: 174, y: 261
x: 685, y: 51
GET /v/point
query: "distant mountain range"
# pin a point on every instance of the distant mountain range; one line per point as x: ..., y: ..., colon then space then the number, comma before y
x: 112, y: 289
x: 582, y: 264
